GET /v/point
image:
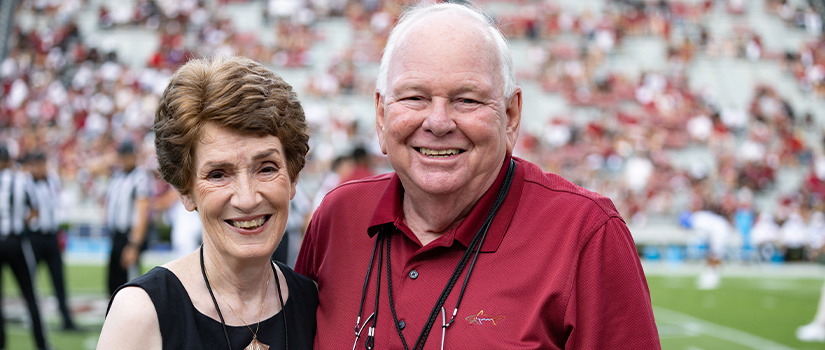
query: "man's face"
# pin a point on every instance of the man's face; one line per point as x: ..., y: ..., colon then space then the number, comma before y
x: 444, y: 122
x: 128, y: 161
x: 38, y: 169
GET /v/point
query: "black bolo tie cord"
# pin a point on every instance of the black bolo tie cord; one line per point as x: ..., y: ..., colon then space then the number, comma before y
x: 283, y: 305
x: 369, y: 343
x: 220, y: 315
x: 208, y: 287
x: 472, y: 250
x: 364, y: 288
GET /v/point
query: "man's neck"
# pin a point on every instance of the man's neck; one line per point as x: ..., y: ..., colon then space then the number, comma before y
x: 430, y: 217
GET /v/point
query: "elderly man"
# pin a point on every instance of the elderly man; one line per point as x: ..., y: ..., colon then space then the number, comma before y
x: 465, y: 246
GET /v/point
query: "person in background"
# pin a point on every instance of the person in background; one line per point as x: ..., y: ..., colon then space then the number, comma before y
x: 465, y: 246
x: 231, y: 137
x: 127, y: 216
x: 716, y: 230
x: 15, y: 249
x: 300, y: 210
x: 744, y: 218
x: 339, y: 168
x: 765, y: 237
x: 816, y: 235
x: 362, y: 165
x: 815, y: 331
x: 44, y: 231
x: 793, y: 236
x: 186, y: 226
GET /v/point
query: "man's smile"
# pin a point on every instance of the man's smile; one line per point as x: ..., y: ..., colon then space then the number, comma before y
x: 438, y: 153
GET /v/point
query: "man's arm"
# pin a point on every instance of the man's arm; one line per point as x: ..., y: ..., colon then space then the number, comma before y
x: 137, y: 234
x: 610, y: 307
x: 140, y: 221
x: 31, y: 201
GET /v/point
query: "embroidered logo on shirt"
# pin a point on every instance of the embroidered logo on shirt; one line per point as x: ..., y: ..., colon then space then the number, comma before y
x: 481, y: 318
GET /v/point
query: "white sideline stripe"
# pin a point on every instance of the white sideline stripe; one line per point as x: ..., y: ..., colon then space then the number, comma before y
x: 719, y: 331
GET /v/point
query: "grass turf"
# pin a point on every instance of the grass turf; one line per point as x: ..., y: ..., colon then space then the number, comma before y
x: 745, y: 312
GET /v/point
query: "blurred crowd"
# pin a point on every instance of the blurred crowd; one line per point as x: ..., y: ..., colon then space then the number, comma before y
x: 645, y: 121
x: 76, y: 98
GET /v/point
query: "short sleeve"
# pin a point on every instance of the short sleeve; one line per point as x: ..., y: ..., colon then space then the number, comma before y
x: 610, y: 305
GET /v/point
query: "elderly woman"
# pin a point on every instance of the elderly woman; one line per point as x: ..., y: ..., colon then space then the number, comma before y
x: 231, y: 137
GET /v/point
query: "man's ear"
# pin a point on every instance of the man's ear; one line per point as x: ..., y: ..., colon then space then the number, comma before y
x: 513, y: 122
x: 379, y: 121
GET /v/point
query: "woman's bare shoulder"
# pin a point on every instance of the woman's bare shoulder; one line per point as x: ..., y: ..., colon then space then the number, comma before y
x: 132, y: 322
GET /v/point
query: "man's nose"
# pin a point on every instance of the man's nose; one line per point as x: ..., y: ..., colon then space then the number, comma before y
x: 439, y: 120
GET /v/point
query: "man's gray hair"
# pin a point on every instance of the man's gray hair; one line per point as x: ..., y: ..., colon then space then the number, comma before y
x: 410, y: 17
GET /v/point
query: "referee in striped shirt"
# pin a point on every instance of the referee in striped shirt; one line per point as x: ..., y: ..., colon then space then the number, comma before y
x: 15, y: 250
x: 43, y: 230
x: 127, y: 217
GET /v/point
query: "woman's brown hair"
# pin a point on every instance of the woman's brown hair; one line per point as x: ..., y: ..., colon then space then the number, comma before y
x: 235, y: 93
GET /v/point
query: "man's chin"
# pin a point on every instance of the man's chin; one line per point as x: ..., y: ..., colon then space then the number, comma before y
x: 438, y: 184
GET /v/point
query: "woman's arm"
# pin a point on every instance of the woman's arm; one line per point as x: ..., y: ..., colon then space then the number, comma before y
x: 132, y: 322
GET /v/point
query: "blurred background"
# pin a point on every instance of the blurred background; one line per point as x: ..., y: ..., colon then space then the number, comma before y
x: 666, y: 107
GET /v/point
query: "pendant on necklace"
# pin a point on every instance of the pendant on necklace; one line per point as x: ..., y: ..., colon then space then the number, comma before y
x: 256, y: 345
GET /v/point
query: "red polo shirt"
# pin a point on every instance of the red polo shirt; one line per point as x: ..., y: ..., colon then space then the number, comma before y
x: 558, y: 270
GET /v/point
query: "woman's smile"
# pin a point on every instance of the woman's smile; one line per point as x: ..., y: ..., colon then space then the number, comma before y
x: 249, y: 224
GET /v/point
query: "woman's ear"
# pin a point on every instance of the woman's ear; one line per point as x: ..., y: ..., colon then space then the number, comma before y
x: 188, y: 202
x: 294, y: 188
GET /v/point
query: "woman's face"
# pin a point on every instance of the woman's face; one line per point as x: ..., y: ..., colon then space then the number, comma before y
x: 242, y: 191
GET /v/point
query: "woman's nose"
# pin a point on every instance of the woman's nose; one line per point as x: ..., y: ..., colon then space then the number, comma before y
x: 246, y: 193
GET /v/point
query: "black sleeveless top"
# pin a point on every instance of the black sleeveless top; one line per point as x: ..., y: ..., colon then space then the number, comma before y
x: 184, y: 327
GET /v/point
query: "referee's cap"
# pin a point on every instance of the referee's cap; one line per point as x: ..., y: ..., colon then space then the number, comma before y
x: 125, y: 148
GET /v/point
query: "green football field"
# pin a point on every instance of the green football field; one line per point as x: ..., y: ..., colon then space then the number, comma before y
x: 755, y: 307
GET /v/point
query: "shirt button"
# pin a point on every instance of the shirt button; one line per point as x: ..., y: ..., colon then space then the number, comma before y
x: 413, y: 274
x: 401, y: 324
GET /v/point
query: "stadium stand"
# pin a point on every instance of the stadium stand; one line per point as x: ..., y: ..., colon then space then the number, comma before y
x: 666, y: 107
x: 6, y: 11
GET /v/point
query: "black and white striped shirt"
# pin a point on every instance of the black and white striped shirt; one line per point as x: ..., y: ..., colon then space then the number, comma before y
x: 46, y: 198
x: 15, y: 202
x: 124, y: 189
